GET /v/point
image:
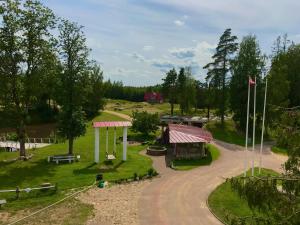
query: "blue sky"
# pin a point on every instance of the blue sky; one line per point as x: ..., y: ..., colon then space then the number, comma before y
x: 137, y: 41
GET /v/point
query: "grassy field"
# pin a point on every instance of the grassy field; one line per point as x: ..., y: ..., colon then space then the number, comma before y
x: 279, y: 150
x: 228, y: 133
x: 223, y: 200
x: 127, y: 107
x: 37, y: 170
x: 213, y: 155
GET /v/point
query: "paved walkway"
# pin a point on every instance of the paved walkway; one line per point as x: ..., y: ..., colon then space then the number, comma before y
x: 179, y: 197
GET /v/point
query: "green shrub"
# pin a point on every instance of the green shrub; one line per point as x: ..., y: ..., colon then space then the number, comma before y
x: 144, y: 122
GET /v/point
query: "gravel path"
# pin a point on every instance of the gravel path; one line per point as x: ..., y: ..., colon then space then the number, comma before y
x: 115, y: 205
x: 179, y: 197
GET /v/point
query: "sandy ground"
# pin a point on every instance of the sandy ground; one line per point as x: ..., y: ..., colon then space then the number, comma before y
x: 115, y: 205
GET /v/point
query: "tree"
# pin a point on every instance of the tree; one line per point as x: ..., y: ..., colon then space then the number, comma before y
x: 186, y: 90
x: 144, y: 122
x: 219, y: 68
x: 24, y: 36
x: 169, y: 88
x: 280, y: 204
x: 95, y: 91
x: 284, y: 79
x: 248, y: 62
x: 73, y: 81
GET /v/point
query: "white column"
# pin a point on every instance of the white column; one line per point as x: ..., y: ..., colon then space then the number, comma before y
x: 115, y: 140
x: 106, y: 140
x: 97, y: 145
x: 254, y: 123
x: 124, y: 143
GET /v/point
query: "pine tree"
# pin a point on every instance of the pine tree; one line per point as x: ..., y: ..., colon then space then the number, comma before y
x: 248, y: 62
x: 219, y: 68
x: 169, y: 88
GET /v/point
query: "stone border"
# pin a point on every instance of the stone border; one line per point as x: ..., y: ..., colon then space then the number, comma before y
x: 211, y: 211
x: 151, y: 150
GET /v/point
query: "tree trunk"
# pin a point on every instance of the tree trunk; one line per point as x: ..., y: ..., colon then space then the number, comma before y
x: 172, y: 108
x: 208, y: 112
x: 21, y: 139
x: 71, y: 140
x: 223, y: 92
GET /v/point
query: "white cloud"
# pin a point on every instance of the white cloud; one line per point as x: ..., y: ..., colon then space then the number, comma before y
x: 138, y: 57
x: 179, y: 23
x: 182, y: 53
x: 148, y: 48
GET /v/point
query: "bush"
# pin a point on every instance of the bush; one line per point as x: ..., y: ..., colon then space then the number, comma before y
x: 152, y: 173
x: 145, y: 122
x: 135, y: 177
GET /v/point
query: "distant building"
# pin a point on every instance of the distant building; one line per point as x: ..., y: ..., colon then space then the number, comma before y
x: 153, y: 97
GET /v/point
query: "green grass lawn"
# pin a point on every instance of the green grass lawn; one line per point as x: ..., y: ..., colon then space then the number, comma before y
x: 279, y: 150
x: 223, y: 200
x: 37, y: 170
x: 164, y: 108
x: 185, y: 164
x: 228, y: 133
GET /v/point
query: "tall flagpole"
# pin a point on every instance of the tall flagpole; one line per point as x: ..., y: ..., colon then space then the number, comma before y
x: 247, y: 128
x: 263, y: 127
x: 254, y: 120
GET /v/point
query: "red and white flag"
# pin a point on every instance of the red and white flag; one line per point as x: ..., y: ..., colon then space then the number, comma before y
x: 251, y: 82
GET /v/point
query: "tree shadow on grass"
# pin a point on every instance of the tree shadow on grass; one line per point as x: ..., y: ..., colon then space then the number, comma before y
x: 16, y: 175
x: 107, y: 167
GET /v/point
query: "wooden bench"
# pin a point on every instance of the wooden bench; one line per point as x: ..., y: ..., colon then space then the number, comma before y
x: 2, y: 202
x: 61, y: 158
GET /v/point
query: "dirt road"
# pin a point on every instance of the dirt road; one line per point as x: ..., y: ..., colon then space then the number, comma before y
x: 179, y: 197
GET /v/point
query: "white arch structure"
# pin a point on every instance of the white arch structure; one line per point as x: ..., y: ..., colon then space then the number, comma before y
x: 98, y: 125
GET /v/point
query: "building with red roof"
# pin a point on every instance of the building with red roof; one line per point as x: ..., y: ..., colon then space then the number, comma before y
x: 153, y: 97
x: 187, y: 141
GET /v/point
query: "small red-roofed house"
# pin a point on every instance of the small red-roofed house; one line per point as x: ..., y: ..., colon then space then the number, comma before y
x: 153, y: 97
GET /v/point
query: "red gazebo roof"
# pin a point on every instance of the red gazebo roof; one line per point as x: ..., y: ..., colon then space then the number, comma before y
x: 188, y: 134
x: 112, y: 124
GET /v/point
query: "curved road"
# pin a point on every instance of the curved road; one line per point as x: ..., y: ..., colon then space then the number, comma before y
x: 179, y: 197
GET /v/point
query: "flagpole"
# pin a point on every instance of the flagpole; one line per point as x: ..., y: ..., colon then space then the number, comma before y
x: 263, y: 127
x: 247, y: 128
x: 254, y: 120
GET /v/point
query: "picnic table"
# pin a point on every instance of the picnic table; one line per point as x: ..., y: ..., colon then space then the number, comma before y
x: 61, y: 158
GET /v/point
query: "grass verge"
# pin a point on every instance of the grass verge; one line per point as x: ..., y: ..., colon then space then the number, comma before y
x: 279, y: 150
x: 188, y: 164
x: 223, y: 200
x: 228, y: 132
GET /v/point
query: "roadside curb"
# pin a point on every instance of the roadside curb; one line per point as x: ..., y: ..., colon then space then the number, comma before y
x: 211, y: 211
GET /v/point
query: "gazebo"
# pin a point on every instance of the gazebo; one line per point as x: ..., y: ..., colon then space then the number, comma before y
x: 114, y: 124
x: 188, y: 141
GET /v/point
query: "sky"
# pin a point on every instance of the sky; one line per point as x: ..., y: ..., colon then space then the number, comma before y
x: 138, y: 41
